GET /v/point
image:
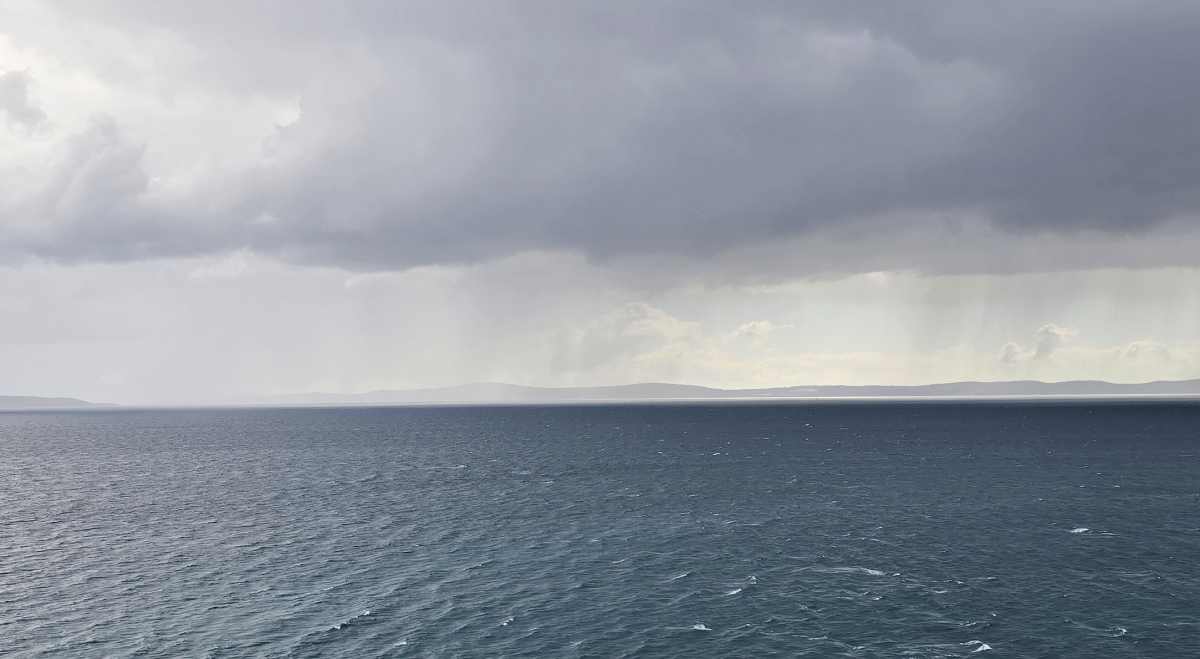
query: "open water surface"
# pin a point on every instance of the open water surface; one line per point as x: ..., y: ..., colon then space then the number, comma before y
x: 827, y: 530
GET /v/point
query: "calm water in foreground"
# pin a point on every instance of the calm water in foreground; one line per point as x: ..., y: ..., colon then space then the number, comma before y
x: 856, y: 530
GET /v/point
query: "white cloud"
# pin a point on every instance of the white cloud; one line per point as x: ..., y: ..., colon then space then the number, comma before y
x: 1147, y: 351
x: 756, y: 331
x: 635, y: 332
x: 1047, y: 340
x: 1011, y: 353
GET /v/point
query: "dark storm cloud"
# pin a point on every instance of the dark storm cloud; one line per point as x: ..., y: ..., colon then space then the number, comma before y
x: 451, y: 132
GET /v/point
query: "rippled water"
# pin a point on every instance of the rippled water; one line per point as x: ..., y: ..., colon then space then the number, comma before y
x: 855, y: 530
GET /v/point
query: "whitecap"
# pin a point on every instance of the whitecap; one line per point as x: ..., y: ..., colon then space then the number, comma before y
x: 983, y: 647
x: 735, y: 591
x: 507, y: 620
x: 680, y: 576
x: 1079, y: 529
x: 349, y: 620
x: 854, y: 569
x: 701, y: 627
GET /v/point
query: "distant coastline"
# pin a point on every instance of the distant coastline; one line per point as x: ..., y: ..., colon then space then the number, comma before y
x: 20, y: 403
x: 485, y: 393
x: 494, y: 392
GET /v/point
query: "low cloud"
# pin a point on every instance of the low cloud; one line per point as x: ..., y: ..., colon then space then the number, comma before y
x: 1047, y: 340
x: 1147, y: 352
x: 639, y: 341
x: 1011, y: 353
x: 625, y: 335
x: 756, y: 331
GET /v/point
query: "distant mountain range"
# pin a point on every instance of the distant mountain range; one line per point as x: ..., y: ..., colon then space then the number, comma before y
x: 42, y: 403
x: 496, y: 392
x: 493, y: 392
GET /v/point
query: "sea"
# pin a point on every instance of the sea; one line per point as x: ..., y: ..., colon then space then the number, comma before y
x: 822, y: 529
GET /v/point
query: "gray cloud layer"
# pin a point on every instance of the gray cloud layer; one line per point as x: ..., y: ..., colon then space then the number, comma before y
x: 15, y: 101
x: 458, y: 132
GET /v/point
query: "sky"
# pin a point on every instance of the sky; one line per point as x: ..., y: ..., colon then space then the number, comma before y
x: 206, y: 202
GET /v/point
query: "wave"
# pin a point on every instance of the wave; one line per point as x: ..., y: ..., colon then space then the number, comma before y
x: 851, y: 569
x: 746, y: 583
x: 350, y: 620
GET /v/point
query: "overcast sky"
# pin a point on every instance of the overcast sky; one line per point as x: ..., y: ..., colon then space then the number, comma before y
x: 204, y: 201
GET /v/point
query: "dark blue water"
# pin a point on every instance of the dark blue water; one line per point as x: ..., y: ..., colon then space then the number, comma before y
x: 857, y: 530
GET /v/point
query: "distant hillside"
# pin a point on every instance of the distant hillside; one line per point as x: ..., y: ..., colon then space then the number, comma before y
x: 509, y: 393
x: 42, y: 403
x: 1013, y: 388
x: 492, y: 392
